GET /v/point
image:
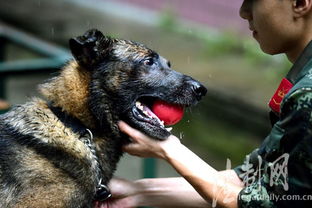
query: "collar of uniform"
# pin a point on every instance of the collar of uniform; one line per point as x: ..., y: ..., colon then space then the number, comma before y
x: 298, y: 69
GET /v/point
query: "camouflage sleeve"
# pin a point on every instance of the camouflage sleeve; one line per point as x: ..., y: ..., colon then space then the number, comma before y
x: 250, y: 159
x: 286, y: 182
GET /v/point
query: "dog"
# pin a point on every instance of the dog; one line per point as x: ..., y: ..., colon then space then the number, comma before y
x: 61, y: 150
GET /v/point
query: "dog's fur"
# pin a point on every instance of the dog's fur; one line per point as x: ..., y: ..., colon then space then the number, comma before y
x: 46, y: 159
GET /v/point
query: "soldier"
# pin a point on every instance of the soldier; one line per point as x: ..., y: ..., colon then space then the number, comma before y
x: 279, y: 172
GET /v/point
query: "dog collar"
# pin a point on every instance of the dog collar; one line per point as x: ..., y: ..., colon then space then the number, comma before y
x: 102, y: 192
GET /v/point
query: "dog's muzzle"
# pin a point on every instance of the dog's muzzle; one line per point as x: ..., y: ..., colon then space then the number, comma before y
x: 198, y: 89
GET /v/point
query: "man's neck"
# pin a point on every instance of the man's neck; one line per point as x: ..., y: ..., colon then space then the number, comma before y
x: 297, y: 50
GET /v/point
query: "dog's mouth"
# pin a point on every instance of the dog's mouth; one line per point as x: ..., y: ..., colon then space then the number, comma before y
x: 143, y: 111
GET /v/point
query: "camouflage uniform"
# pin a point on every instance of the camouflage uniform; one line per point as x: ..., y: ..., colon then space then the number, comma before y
x: 291, y: 135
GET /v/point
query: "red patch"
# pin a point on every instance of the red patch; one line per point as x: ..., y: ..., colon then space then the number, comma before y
x: 169, y: 113
x: 282, y: 90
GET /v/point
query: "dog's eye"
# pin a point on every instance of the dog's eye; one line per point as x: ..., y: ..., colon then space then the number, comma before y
x: 148, y: 62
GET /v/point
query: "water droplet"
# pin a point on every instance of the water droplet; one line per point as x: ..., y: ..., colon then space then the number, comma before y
x: 181, y: 135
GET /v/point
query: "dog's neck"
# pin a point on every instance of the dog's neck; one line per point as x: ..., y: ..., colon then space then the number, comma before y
x: 70, y: 92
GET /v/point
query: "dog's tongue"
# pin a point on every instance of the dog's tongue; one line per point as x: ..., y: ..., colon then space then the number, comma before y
x: 169, y: 113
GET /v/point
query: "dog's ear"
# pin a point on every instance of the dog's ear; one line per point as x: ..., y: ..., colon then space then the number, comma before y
x: 91, y: 48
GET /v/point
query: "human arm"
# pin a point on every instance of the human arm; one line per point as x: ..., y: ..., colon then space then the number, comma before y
x: 209, y: 183
x: 159, y: 192
x: 155, y: 192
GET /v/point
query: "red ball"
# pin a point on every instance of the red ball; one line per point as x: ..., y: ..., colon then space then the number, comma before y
x: 169, y: 113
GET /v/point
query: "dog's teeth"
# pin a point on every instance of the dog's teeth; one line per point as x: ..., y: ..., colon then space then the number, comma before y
x: 162, y: 123
x: 169, y: 129
x: 139, y: 105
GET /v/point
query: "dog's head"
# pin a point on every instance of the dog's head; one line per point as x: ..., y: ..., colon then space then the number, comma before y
x: 126, y: 78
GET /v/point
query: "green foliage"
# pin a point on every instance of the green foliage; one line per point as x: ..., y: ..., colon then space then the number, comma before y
x: 168, y: 21
x: 220, y: 45
x: 219, y: 139
x: 224, y: 43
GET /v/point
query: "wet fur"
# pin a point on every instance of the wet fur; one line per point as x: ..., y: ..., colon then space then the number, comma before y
x: 44, y: 162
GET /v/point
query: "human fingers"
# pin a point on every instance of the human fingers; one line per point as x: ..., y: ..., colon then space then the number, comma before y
x: 120, y: 187
x: 141, y: 145
x: 135, y: 135
x: 117, y: 203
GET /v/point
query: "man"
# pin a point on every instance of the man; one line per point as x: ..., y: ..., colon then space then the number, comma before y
x: 284, y: 160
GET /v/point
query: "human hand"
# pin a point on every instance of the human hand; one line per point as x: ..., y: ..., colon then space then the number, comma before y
x: 123, y: 194
x: 144, y: 146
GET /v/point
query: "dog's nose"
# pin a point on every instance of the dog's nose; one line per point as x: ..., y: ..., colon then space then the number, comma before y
x: 198, y: 89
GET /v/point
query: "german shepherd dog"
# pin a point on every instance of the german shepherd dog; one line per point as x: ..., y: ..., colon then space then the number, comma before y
x: 62, y: 150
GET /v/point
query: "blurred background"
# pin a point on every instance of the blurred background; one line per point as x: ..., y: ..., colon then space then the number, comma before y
x: 202, y: 38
